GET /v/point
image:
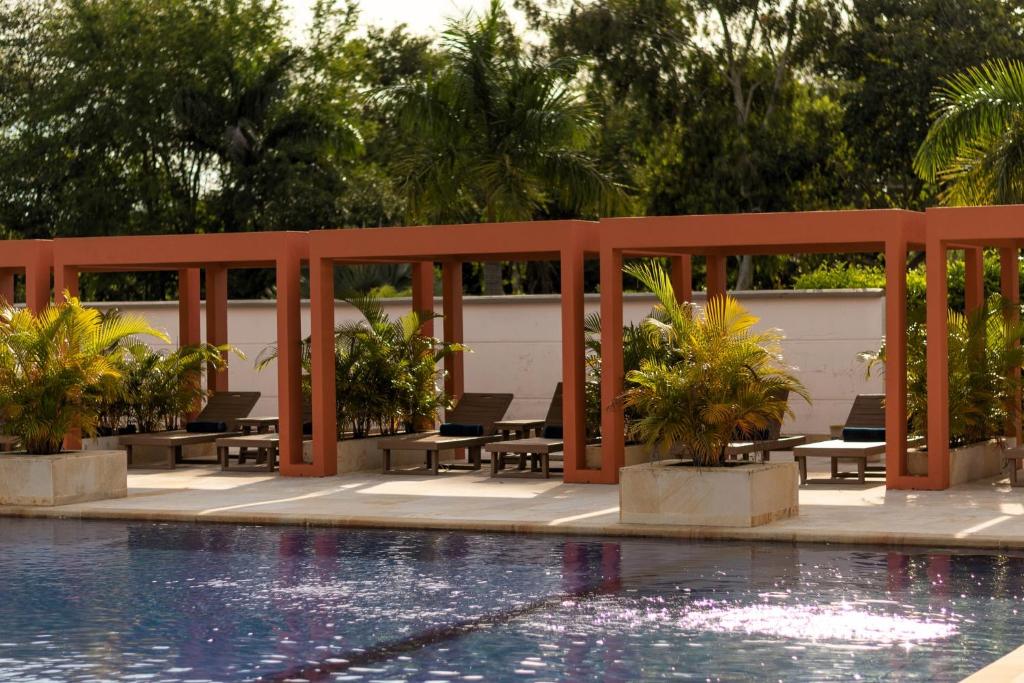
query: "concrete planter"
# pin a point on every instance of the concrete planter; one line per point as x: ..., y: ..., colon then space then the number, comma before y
x: 363, y: 455
x: 666, y: 492
x: 967, y: 463
x: 635, y: 454
x: 62, y: 478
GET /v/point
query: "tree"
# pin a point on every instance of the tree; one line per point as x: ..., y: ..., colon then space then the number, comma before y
x: 495, y: 135
x: 975, y: 147
x: 890, y: 56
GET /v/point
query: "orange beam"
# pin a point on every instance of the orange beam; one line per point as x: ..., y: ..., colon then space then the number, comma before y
x: 613, y: 440
x: 325, y: 419
x: 974, y: 279
x: 451, y: 301
x: 938, y: 369
x: 289, y: 363
x: 423, y: 292
x: 717, y: 278
x: 1009, y: 285
x: 217, y: 321
x: 573, y: 366
x: 681, y: 272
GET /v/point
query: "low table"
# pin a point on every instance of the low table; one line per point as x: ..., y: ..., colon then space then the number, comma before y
x: 267, y: 445
x: 515, y: 429
x: 257, y: 425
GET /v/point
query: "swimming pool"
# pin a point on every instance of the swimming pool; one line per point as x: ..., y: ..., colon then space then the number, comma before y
x: 175, y: 602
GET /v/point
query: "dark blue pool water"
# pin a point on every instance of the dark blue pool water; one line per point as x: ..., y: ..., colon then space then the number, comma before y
x: 90, y: 601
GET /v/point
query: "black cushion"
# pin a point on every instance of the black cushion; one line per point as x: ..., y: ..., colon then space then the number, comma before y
x: 863, y: 434
x: 456, y: 429
x: 552, y: 432
x: 205, y: 427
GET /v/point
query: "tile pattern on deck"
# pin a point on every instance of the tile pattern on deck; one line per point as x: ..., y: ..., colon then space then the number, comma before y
x: 985, y: 514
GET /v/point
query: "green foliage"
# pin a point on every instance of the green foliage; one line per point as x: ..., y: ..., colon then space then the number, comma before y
x: 975, y: 147
x: 158, y: 389
x: 984, y: 353
x: 841, y: 276
x: 714, y: 377
x: 57, y: 367
x: 386, y: 375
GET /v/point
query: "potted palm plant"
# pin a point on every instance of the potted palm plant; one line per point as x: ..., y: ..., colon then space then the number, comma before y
x: 56, y: 369
x: 715, y: 377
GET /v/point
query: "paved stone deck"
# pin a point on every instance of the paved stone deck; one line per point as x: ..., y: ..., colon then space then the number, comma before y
x: 984, y: 515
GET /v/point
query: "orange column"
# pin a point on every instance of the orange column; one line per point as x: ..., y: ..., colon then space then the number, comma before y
x: 289, y: 365
x: 896, y: 364
x: 37, y: 284
x: 188, y: 307
x: 423, y: 292
x: 613, y: 442
x: 938, y: 369
x: 65, y: 279
x: 451, y: 301
x: 325, y: 419
x: 7, y: 285
x: 974, y: 279
x: 716, y: 285
x: 217, y: 321
x: 573, y: 366
x: 682, y: 277
x: 1009, y: 285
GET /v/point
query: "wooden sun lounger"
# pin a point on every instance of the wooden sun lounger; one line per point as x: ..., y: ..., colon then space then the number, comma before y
x: 481, y: 409
x: 867, y: 411
x: 773, y: 441
x: 266, y: 444
x: 225, y: 406
x: 537, y: 448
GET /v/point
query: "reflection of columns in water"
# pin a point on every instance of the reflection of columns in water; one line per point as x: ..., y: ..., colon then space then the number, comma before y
x: 897, y: 571
x: 939, y: 567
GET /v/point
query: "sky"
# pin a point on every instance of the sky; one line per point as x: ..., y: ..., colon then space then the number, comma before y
x: 422, y: 16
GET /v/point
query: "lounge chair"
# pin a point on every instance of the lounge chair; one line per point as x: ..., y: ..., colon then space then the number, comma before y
x: 535, y: 448
x: 863, y: 439
x: 263, y: 441
x: 770, y: 439
x: 469, y: 425
x: 223, y: 407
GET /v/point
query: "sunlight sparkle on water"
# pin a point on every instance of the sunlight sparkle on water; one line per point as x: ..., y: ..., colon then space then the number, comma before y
x: 841, y: 622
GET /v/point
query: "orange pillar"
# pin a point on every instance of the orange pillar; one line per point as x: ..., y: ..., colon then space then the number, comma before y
x: 681, y: 272
x: 37, y: 284
x: 188, y: 307
x: 217, y: 321
x: 325, y: 418
x: 896, y: 364
x: 574, y: 416
x: 938, y: 368
x: 423, y: 292
x: 7, y: 286
x: 1009, y: 286
x: 613, y: 440
x: 451, y: 301
x: 716, y: 275
x: 974, y: 279
x: 65, y: 279
x: 289, y: 366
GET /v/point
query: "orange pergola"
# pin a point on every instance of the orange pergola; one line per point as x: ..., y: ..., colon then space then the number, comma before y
x: 34, y: 260
x: 214, y: 253
x: 568, y: 242
x: 970, y: 229
x: 894, y: 232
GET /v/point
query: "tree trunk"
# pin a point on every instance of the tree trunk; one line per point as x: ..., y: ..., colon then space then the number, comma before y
x: 745, y: 276
x: 492, y: 279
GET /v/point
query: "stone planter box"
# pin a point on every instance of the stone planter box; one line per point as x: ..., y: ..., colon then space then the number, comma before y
x: 62, y: 478
x: 967, y: 463
x: 665, y: 492
x: 362, y: 455
x: 635, y: 454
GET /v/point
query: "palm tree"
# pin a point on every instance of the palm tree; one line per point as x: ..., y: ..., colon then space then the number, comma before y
x: 495, y: 135
x: 57, y: 366
x: 718, y: 377
x: 975, y: 147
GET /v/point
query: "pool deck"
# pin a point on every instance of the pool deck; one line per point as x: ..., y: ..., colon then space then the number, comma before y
x: 981, y: 515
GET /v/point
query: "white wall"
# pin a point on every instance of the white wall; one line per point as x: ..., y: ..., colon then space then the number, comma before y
x: 516, y: 343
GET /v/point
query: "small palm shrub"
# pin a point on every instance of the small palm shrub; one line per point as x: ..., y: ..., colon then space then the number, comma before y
x: 984, y: 351
x: 385, y: 371
x: 716, y: 375
x: 58, y: 366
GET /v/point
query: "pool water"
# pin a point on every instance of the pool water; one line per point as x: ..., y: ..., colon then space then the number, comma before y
x: 85, y: 601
